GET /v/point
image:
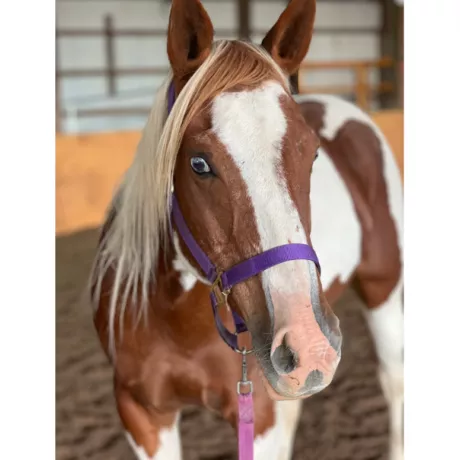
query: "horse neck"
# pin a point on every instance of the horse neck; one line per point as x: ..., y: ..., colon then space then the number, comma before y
x: 186, y: 313
x: 171, y: 306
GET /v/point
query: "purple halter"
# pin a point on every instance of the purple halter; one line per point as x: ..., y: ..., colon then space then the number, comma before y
x: 223, y: 281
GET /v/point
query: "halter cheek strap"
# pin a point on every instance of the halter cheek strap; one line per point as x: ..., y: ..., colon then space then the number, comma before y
x: 223, y: 281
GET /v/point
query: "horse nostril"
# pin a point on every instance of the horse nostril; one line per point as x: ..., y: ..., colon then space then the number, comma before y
x: 314, y: 379
x: 284, y: 358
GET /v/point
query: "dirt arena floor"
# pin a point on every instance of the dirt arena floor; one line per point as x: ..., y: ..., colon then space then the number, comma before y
x: 347, y: 421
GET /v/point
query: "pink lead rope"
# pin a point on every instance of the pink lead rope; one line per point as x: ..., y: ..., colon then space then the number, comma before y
x: 245, y: 414
x: 245, y: 427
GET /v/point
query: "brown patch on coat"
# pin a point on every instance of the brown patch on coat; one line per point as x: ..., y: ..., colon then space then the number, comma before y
x: 300, y: 144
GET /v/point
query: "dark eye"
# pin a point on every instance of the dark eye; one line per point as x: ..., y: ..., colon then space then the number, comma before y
x: 200, y: 166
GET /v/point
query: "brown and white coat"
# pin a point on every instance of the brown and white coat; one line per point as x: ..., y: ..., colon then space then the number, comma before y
x: 240, y: 152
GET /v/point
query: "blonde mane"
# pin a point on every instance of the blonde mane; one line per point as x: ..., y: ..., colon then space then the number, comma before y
x: 140, y: 207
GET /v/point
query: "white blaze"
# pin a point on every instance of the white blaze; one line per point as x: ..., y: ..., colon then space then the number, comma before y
x: 252, y: 125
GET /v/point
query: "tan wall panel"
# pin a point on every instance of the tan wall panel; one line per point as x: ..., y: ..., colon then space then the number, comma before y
x: 88, y: 168
x: 391, y: 122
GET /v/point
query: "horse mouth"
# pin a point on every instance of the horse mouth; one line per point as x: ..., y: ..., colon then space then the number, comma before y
x: 277, y: 390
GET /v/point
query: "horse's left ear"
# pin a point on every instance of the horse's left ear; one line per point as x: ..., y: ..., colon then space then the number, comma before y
x: 190, y: 37
x: 289, y: 39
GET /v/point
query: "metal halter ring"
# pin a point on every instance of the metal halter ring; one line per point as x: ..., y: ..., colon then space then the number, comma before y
x: 220, y: 293
x: 244, y: 351
x: 240, y: 384
x: 221, y: 299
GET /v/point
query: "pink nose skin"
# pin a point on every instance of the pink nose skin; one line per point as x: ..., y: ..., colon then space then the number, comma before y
x: 301, y: 354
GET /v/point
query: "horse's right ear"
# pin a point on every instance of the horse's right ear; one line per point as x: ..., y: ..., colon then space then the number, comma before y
x: 190, y: 37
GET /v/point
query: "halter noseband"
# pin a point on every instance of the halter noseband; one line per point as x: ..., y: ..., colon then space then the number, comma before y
x: 223, y: 281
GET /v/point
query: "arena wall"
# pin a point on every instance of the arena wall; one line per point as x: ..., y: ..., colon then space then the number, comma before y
x: 88, y: 167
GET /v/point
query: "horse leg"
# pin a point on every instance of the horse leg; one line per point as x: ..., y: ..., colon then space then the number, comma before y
x: 152, y: 437
x: 386, y: 325
x: 289, y: 413
x: 277, y: 441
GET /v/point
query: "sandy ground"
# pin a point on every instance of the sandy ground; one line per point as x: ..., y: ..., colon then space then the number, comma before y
x: 348, y: 420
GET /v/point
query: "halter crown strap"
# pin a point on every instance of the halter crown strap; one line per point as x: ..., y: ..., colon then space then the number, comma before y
x: 239, y: 272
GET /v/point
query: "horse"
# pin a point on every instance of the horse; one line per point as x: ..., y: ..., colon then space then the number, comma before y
x: 287, y: 200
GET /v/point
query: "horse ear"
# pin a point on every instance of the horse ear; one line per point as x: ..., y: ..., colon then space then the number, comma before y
x: 190, y: 37
x: 289, y: 39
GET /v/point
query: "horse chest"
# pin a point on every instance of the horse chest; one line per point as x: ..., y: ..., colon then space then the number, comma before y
x: 205, y: 377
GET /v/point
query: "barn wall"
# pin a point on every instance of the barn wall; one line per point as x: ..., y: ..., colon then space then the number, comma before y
x: 88, y: 168
x: 358, y: 20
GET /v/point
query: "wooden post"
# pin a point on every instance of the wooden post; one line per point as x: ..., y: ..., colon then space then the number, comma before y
x: 57, y: 94
x: 110, y: 54
x: 244, y: 28
x: 400, y: 58
x: 362, y: 87
x: 388, y: 48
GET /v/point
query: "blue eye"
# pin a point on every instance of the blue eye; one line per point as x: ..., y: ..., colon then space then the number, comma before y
x: 200, y: 166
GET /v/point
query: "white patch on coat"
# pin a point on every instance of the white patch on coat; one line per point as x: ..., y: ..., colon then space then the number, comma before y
x: 277, y: 442
x: 188, y: 274
x: 186, y: 278
x: 139, y: 451
x: 336, y: 232
x: 169, y: 445
x: 252, y: 125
